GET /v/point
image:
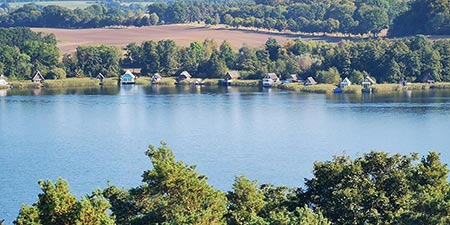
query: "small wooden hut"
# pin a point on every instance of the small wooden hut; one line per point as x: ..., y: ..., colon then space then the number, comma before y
x: 427, y: 78
x: 232, y: 75
x: 310, y: 81
x: 100, y: 78
x: 38, y: 78
x: 184, y: 76
x: 345, y: 83
x: 156, y: 78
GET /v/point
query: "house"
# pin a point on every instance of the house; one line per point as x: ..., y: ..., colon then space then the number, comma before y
x: 367, y: 84
x: 273, y: 76
x: 3, y: 81
x: 38, y: 78
x: 294, y: 78
x: 128, y: 78
x: 184, y: 76
x: 345, y: 83
x: 427, y: 78
x: 269, y: 79
x: 156, y: 77
x: 232, y: 75
x: 310, y: 81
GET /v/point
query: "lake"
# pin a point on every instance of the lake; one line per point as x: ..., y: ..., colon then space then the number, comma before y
x: 93, y: 135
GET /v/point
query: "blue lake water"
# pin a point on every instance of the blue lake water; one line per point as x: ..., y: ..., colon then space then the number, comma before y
x: 93, y: 135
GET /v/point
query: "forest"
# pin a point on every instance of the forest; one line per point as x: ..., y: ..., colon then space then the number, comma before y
x: 399, y: 17
x: 388, y: 61
x: 375, y: 188
x: 385, y: 60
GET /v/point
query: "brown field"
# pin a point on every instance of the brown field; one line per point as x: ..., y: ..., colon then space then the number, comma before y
x: 69, y: 40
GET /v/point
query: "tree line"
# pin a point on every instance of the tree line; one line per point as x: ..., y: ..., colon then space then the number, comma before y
x: 93, y: 16
x: 375, y: 188
x: 23, y: 52
x: 345, y: 16
x: 387, y: 61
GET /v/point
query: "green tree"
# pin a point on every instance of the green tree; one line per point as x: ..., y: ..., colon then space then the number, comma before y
x: 431, y: 192
x: 174, y: 193
x: 56, y: 73
x: 57, y: 206
x: 215, y: 67
x: 93, y: 60
x: 227, y: 54
x: 272, y: 47
x: 154, y: 19
x: 168, y: 57
x: 245, y: 202
x: 331, y: 76
x: 357, y: 77
x: 149, y: 59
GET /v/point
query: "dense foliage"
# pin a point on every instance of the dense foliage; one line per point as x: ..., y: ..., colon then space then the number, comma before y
x: 375, y: 188
x: 346, y: 16
x: 56, y: 205
x: 385, y: 60
x: 108, y: 14
x: 23, y: 52
x: 423, y: 17
x: 405, y: 17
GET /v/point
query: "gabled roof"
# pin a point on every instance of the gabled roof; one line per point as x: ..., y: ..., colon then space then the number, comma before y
x: 369, y: 79
x: 272, y: 76
x: 294, y: 76
x: 233, y: 74
x: 427, y: 77
x: 156, y: 75
x: 38, y: 76
x: 310, y: 80
x: 100, y: 76
x: 346, y: 80
x: 186, y: 74
x: 2, y: 78
x: 128, y: 73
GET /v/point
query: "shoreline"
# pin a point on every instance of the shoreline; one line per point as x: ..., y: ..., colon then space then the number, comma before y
x: 171, y: 81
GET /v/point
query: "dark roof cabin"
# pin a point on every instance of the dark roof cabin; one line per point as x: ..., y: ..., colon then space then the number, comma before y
x: 156, y: 76
x: 294, y: 77
x: 427, y: 78
x: 184, y: 76
x: 38, y: 78
x: 310, y: 81
x: 100, y: 77
x: 232, y: 75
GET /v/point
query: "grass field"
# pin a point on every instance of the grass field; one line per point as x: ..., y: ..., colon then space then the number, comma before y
x: 182, y: 34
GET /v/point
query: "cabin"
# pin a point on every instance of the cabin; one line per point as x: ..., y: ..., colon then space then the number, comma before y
x: 100, y: 77
x: 367, y: 84
x: 184, y: 76
x: 272, y: 76
x: 38, y: 78
x: 128, y: 78
x: 294, y: 78
x: 345, y: 83
x: 156, y: 78
x: 3, y: 81
x: 427, y: 78
x: 310, y: 81
x: 232, y: 75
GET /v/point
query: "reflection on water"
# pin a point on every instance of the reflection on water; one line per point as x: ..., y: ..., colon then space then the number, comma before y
x: 91, y: 135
